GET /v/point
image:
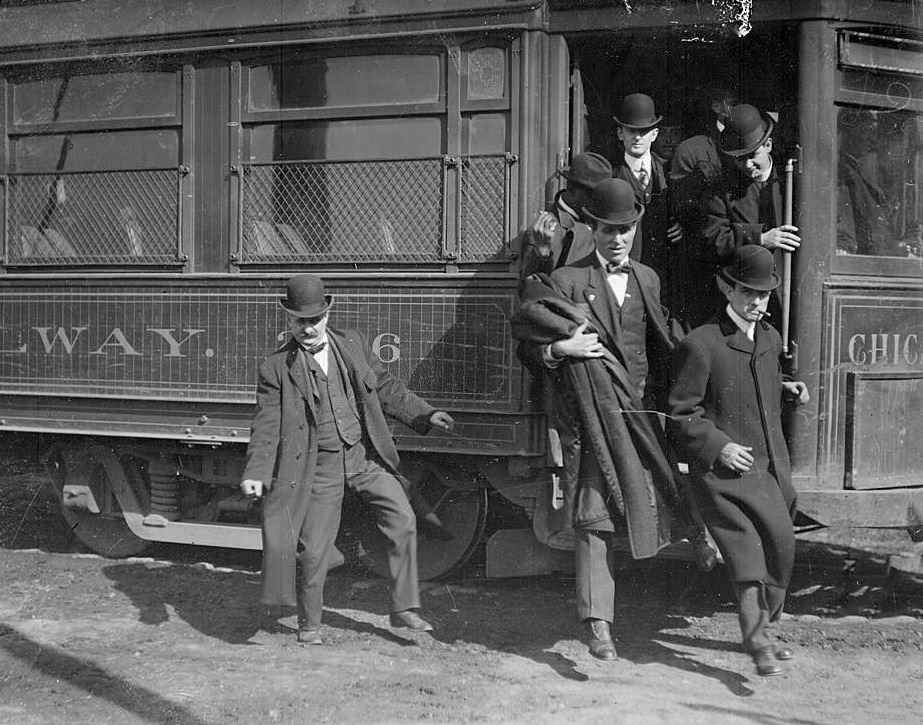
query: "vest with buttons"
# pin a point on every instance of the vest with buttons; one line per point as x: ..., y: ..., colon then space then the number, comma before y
x: 337, y: 414
x: 633, y: 338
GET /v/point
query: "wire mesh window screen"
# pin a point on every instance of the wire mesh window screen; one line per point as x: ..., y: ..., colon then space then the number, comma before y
x: 323, y: 211
x: 484, y: 201
x: 93, y: 218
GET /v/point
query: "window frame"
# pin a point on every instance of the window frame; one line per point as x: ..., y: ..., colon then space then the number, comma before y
x: 181, y: 121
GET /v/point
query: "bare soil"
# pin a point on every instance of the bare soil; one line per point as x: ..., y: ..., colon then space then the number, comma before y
x: 178, y: 637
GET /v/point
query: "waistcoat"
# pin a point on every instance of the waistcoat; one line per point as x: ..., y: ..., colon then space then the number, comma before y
x: 337, y: 414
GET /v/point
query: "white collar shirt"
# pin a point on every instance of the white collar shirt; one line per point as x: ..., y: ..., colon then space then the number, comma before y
x: 636, y: 164
x: 617, y: 281
x: 746, y: 326
x: 322, y: 357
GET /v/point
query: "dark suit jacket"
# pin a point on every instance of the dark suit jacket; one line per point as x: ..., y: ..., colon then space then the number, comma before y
x: 730, y: 389
x: 650, y: 246
x: 283, y: 442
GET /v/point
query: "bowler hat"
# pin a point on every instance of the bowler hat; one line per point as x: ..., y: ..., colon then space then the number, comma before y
x: 637, y: 111
x: 614, y: 202
x: 745, y: 130
x: 305, y: 296
x: 753, y: 267
x: 588, y: 169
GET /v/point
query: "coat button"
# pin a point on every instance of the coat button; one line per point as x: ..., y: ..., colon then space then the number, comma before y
x: 293, y: 484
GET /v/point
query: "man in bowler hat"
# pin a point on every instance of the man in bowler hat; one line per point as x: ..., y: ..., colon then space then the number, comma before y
x: 561, y: 235
x: 725, y: 413
x: 637, y: 126
x: 320, y: 423
x: 748, y: 209
x: 621, y: 457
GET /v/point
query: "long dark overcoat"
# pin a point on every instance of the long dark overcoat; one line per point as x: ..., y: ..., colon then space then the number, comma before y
x: 626, y: 440
x: 283, y: 442
x: 726, y: 389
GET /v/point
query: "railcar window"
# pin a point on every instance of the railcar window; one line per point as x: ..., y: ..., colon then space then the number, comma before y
x: 363, y: 80
x: 94, y: 97
x: 93, y: 171
x: 350, y: 140
x: 354, y: 159
x: 879, y: 176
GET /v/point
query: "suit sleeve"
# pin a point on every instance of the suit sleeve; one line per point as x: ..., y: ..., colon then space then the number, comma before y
x: 721, y: 235
x: 266, y: 426
x: 397, y: 401
x: 697, y: 436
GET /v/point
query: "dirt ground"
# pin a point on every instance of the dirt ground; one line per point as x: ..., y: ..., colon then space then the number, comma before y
x: 178, y: 637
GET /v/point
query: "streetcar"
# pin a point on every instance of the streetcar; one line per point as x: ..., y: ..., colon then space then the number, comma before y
x: 167, y: 165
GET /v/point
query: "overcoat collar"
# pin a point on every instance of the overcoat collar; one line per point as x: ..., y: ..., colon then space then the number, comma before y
x: 736, y: 339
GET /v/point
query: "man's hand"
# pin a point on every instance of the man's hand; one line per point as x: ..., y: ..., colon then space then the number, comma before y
x: 580, y: 344
x: 251, y: 488
x: 796, y: 391
x: 442, y: 420
x: 544, y: 226
x: 675, y: 233
x: 736, y: 457
x: 784, y: 237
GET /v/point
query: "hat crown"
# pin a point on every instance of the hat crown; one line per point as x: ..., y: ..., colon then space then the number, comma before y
x: 637, y: 111
x: 752, y: 266
x: 305, y: 296
x: 588, y: 169
x: 614, y: 202
x: 745, y: 130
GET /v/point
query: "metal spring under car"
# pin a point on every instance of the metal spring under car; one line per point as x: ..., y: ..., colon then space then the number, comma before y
x: 165, y: 490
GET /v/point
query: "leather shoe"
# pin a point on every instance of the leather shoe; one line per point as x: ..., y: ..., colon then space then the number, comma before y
x: 309, y: 635
x: 599, y: 639
x: 409, y: 619
x: 784, y: 653
x: 765, y: 661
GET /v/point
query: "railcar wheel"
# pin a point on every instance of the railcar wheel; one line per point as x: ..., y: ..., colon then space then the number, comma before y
x: 86, y: 478
x: 450, y: 523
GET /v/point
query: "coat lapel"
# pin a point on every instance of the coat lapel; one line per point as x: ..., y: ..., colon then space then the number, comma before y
x: 597, y: 295
x: 735, y: 337
x: 301, y: 378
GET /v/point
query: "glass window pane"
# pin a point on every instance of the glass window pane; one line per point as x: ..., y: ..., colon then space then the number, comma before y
x: 110, y: 150
x: 880, y: 170
x: 95, y: 97
x: 361, y: 80
x: 392, y: 138
x: 487, y: 133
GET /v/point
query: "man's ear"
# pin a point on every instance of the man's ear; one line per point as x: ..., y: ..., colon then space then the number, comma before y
x: 768, y: 144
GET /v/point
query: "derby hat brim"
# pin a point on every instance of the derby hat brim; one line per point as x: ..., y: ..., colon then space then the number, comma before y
x: 627, y: 217
x: 768, y: 125
x: 653, y: 122
x: 760, y: 286
x: 310, y: 310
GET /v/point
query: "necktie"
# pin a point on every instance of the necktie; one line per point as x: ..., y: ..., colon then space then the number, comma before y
x: 623, y: 268
x: 644, y: 178
x: 315, y: 348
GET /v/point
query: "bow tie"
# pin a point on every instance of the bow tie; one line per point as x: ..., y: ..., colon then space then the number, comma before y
x: 315, y: 348
x: 623, y: 268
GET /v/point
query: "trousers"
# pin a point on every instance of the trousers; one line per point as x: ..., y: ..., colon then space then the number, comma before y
x: 394, y: 517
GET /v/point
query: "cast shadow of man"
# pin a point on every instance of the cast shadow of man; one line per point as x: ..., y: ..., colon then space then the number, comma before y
x: 225, y: 605
x: 534, y: 618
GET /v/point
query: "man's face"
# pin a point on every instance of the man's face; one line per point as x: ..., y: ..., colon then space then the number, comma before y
x: 308, y: 330
x: 757, y: 162
x: 614, y: 241
x: 637, y: 141
x: 745, y: 301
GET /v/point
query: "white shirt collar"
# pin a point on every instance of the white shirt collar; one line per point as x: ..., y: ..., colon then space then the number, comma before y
x: 746, y: 326
x: 636, y: 164
x: 765, y: 175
